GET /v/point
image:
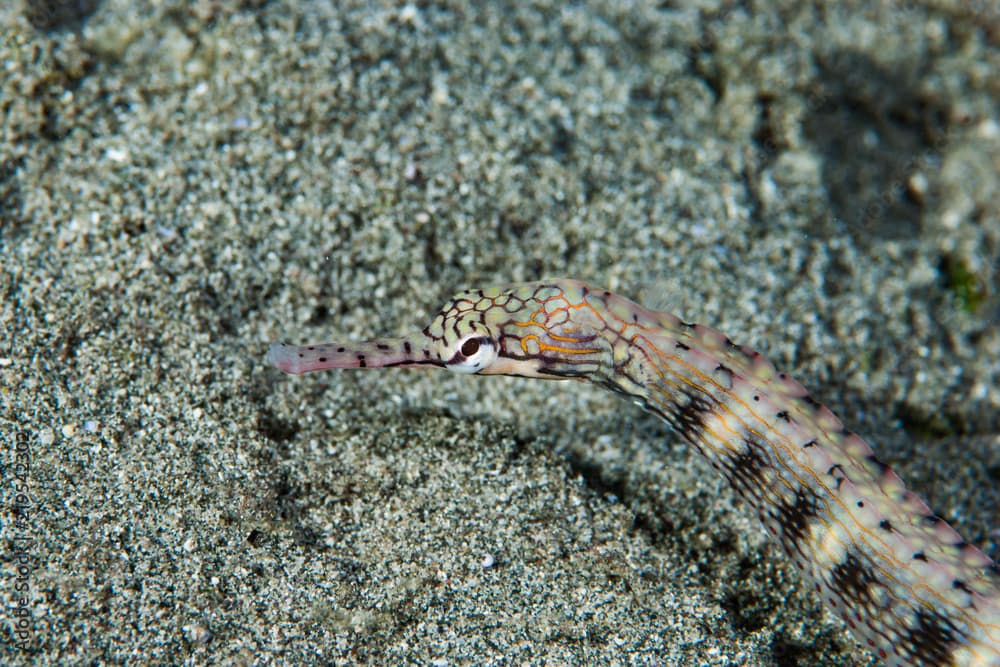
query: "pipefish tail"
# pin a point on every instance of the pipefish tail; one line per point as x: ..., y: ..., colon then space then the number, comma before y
x: 905, y: 583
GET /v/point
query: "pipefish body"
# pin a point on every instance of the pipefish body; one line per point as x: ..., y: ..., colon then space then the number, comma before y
x: 904, y: 581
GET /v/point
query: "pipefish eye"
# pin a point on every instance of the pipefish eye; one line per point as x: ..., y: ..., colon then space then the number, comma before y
x: 473, y: 354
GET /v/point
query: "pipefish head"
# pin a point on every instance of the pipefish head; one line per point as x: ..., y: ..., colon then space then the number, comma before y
x: 543, y: 329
